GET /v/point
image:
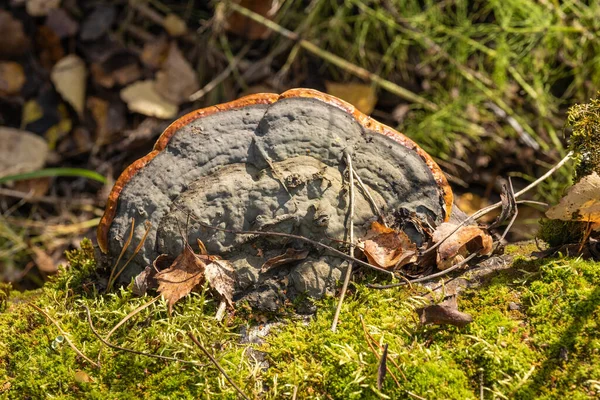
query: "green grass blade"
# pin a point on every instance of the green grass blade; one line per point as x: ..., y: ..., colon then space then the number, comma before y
x: 42, y: 173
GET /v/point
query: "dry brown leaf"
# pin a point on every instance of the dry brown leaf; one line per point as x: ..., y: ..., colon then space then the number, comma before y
x: 49, y: 46
x: 361, y: 96
x: 289, y: 256
x: 443, y: 314
x: 13, y: 41
x: 467, y: 239
x: 12, y: 78
x: 176, y: 80
x: 21, y: 151
x: 141, y: 97
x: 69, y: 78
x: 387, y: 248
x: 82, y: 377
x: 581, y: 203
x: 177, y: 281
x: 221, y: 277
x: 43, y: 261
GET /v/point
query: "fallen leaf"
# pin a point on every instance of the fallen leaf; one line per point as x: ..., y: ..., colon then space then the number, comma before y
x: 467, y: 239
x: 21, y: 151
x: 13, y: 41
x: 248, y: 28
x: 40, y: 8
x: 361, y: 96
x: 109, y: 118
x: 184, y: 274
x: 98, y: 23
x: 61, y: 23
x: 43, y: 261
x: 289, y: 256
x: 144, y: 280
x: 82, y: 377
x: 36, y: 187
x: 174, y: 25
x: 581, y: 203
x: 141, y: 97
x: 176, y: 80
x: 440, y: 314
x: 12, y: 78
x: 69, y: 77
x: 387, y: 248
x: 221, y: 277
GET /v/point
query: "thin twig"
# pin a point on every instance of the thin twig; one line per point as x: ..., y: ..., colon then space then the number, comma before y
x: 514, y: 217
x: 350, y: 220
x: 425, y: 278
x: 216, y: 363
x: 141, y: 353
x: 370, y: 338
x: 221, y: 77
x: 125, y: 319
x: 135, y: 252
x: 65, y: 335
x: 488, y: 209
x: 292, y: 236
x: 367, y: 193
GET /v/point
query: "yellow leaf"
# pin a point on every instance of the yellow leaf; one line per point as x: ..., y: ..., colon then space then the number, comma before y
x: 361, y: 96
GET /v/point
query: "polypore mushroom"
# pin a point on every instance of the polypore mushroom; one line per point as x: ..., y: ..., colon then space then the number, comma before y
x: 267, y: 162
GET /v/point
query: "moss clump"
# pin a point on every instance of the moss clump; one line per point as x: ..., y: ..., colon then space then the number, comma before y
x: 548, y: 349
x: 585, y: 139
x: 556, y: 232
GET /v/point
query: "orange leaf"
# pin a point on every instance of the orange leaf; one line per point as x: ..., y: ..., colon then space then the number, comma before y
x: 387, y: 248
x: 467, y: 239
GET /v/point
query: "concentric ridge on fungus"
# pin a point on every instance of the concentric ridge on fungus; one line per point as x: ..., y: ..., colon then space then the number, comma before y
x: 266, y: 99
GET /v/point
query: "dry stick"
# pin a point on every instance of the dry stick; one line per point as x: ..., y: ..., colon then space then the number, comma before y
x: 367, y: 193
x: 135, y: 252
x: 336, y: 60
x: 336, y: 316
x: 367, y: 337
x: 64, y: 334
x: 141, y: 353
x: 487, y: 209
x: 125, y: 247
x: 125, y: 319
x: 216, y: 363
x: 514, y: 217
x: 425, y: 278
x: 291, y: 236
x: 221, y: 77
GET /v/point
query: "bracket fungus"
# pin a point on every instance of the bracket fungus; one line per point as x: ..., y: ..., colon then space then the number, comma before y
x: 269, y: 162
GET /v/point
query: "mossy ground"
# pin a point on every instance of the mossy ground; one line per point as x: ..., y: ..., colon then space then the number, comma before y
x: 549, y: 348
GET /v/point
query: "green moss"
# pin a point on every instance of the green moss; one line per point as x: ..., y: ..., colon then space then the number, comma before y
x: 549, y: 348
x: 556, y: 232
x: 585, y: 138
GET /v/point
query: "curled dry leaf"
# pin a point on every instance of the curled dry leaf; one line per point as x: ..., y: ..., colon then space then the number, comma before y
x: 387, y: 248
x: 581, y: 203
x: 142, y: 97
x: 69, y: 76
x: 290, y: 255
x: 177, y: 281
x: 191, y: 270
x: 467, y: 239
x: 221, y: 277
x: 441, y: 314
